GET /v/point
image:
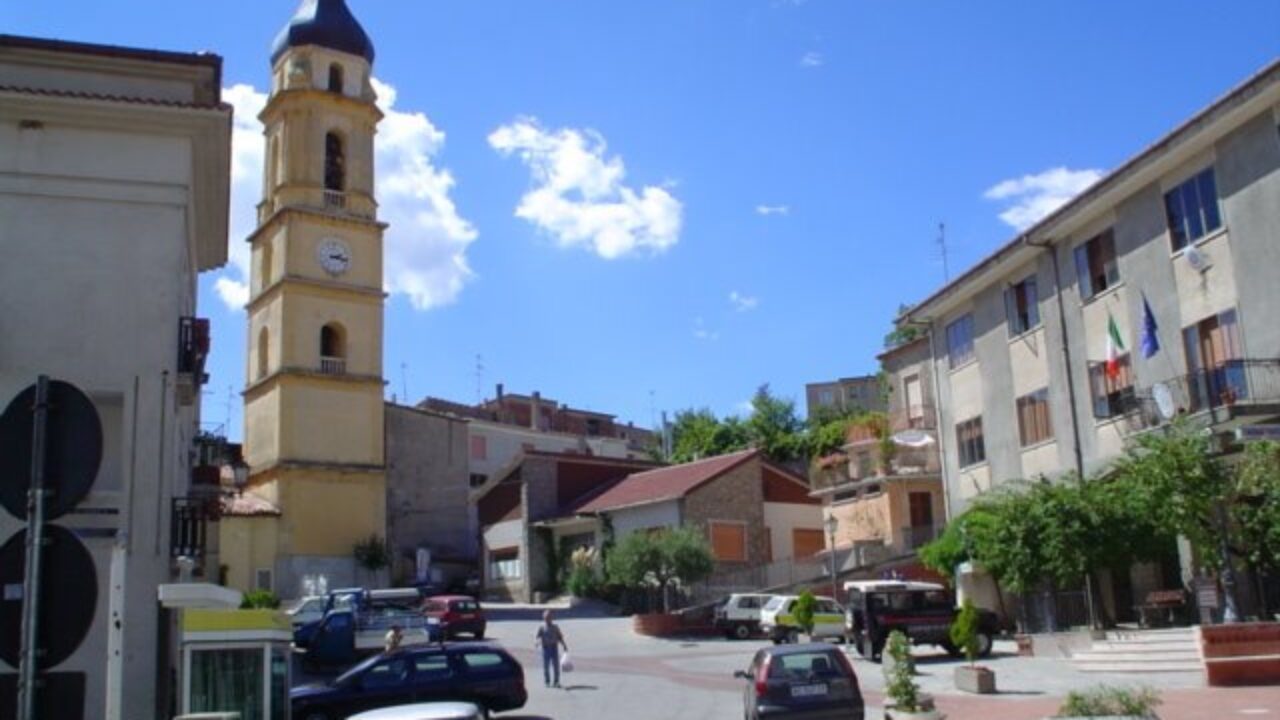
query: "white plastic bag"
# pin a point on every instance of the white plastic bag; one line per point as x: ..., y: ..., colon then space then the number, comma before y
x: 566, y: 663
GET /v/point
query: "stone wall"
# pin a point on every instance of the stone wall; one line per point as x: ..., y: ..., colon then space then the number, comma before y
x: 736, y: 496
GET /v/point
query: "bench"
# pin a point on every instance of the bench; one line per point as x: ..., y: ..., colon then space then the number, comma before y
x: 1160, y: 607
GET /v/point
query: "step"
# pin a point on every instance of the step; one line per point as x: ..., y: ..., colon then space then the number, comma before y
x: 1139, y: 668
x: 1159, y: 635
x: 1146, y: 647
x: 1136, y: 658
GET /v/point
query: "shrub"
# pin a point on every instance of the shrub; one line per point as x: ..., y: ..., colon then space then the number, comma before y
x: 260, y: 600
x: 901, y: 687
x: 806, y: 604
x: 371, y: 553
x: 1105, y: 700
x: 964, y: 630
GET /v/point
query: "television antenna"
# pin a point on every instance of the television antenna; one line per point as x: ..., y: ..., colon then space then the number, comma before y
x: 479, y: 379
x: 942, y: 248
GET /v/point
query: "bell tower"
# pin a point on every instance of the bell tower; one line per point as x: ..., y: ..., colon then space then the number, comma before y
x: 314, y: 395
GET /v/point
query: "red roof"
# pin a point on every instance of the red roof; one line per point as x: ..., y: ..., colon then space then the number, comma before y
x: 247, y: 505
x: 662, y: 484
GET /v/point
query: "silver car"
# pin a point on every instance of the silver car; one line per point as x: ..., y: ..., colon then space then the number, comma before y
x: 424, y: 711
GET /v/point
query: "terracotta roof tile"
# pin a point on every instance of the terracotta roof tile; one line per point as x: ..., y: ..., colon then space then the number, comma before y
x: 662, y: 484
x: 247, y: 505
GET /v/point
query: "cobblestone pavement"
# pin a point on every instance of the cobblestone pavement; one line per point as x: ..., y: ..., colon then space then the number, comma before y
x: 624, y: 676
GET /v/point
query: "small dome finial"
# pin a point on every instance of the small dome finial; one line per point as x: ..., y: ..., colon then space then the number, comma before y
x: 327, y: 23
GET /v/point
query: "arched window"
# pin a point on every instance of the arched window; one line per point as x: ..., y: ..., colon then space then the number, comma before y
x: 335, y: 78
x: 335, y: 163
x: 263, y: 343
x: 265, y: 275
x: 273, y: 169
x: 333, y: 349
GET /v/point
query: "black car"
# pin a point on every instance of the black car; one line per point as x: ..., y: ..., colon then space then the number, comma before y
x: 922, y: 611
x: 814, y: 681
x: 477, y: 672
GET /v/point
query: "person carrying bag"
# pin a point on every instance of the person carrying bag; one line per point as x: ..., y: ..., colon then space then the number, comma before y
x: 550, y: 640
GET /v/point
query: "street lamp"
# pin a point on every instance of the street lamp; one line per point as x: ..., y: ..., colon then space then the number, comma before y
x: 831, y: 523
x: 239, y: 474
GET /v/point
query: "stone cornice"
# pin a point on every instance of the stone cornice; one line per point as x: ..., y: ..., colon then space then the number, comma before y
x: 307, y: 283
x: 286, y: 373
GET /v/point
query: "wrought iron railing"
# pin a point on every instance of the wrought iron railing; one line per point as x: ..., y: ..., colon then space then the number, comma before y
x: 335, y: 199
x: 333, y: 365
x: 1237, y: 386
x: 188, y: 527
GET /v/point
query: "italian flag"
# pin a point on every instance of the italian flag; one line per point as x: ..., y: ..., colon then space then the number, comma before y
x: 1115, y: 347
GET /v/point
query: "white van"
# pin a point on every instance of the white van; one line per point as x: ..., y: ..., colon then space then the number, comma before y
x: 739, y: 615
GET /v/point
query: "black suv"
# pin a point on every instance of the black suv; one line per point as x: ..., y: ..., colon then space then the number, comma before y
x: 922, y: 611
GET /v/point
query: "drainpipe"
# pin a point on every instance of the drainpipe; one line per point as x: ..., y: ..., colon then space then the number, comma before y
x: 1047, y: 246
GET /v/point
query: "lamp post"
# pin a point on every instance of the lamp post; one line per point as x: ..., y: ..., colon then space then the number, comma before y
x: 831, y: 523
x: 239, y: 474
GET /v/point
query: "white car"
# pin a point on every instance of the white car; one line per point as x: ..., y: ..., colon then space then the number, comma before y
x: 424, y: 711
x: 777, y: 619
x: 739, y: 615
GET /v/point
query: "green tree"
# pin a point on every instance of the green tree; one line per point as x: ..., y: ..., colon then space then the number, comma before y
x: 660, y: 560
x: 805, y: 607
x: 963, y: 632
x: 774, y: 427
x: 1257, y: 512
x: 697, y: 434
x: 902, y: 333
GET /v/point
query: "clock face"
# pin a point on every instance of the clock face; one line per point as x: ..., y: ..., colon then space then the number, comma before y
x: 334, y: 256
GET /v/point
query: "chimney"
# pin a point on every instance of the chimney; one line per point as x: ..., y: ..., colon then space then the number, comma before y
x: 499, y: 393
x: 535, y: 407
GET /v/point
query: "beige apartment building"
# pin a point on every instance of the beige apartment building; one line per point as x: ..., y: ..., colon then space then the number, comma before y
x: 851, y: 394
x: 1180, y: 244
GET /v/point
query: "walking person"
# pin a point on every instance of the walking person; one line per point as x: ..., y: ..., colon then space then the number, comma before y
x: 550, y: 640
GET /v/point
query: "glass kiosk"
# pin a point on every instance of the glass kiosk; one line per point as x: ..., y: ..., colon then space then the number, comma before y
x: 236, y: 661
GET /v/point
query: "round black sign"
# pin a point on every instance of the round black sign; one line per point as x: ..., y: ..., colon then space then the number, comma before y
x: 68, y: 596
x: 73, y: 439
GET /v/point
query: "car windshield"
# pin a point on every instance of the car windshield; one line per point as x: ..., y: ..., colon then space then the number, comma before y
x: 775, y: 603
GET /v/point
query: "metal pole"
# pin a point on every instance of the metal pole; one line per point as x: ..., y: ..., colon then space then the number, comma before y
x: 35, y: 541
x: 834, y: 595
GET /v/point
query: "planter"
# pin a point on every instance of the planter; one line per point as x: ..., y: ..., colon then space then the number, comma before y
x: 1102, y: 717
x: 891, y: 714
x: 978, y: 680
x: 656, y: 624
x: 1241, y: 653
x: 1026, y: 646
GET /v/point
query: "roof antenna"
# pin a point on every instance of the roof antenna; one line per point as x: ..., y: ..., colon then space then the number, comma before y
x: 479, y: 380
x: 942, y: 247
x: 404, y: 382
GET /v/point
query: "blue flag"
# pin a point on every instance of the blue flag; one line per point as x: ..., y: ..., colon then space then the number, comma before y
x: 1150, y: 331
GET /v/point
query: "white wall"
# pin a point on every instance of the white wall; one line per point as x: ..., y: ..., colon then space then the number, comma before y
x: 782, y: 518
x: 643, y: 517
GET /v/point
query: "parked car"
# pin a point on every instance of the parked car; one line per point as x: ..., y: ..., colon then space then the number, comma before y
x: 476, y: 672
x: 778, y: 622
x: 922, y: 611
x: 739, y: 615
x: 811, y: 681
x: 457, y: 614
x: 424, y: 711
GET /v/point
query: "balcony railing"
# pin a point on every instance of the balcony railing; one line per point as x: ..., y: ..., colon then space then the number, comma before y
x: 189, y: 527
x: 333, y: 365
x: 918, y: 536
x: 1234, y: 388
x: 335, y: 200
x: 901, y: 419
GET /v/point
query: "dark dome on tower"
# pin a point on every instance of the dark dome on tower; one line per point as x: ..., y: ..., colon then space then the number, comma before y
x: 327, y: 23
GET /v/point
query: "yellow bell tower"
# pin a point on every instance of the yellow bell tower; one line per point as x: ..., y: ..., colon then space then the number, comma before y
x: 314, y: 397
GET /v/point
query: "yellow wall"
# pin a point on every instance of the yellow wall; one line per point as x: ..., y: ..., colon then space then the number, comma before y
x: 328, y: 511
x: 331, y: 421
x: 247, y: 543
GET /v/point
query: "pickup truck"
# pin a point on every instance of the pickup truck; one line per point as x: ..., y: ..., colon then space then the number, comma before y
x: 356, y: 622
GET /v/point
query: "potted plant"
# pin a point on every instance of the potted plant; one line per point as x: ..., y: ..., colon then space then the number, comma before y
x: 964, y: 635
x: 900, y: 687
x: 1113, y: 703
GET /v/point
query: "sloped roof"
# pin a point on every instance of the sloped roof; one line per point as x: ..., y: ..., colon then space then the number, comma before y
x: 247, y: 505
x: 667, y: 483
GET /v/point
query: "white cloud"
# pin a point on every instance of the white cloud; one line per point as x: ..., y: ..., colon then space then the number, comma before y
x: 812, y: 59
x: 701, y: 332
x: 425, y: 245
x: 768, y: 210
x: 743, y: 303
x: 1035, y: 196
x: 579, y: 198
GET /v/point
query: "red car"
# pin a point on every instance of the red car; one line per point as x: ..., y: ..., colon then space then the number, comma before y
x: 457, y: 614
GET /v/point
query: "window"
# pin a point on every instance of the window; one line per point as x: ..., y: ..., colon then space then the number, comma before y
x: 504, y: 564
x: 335, y: 78
x: 335, y: 163
x: 1034, y: 425
x: 431, y: 667
x: 263, y: 349
x: 806, y: 543
x: 483, y: 660
x: 479, y: 447
x: 388, y: 673
x: 826, y: 398
x: 332, y: 342
x: 1096, y: 267
x: 913, y: 400
x: 1217, y: 376
x: 969, y: 440
x: 1112, y: 395
x: 729, y: 541
x: 1022, y: 306
x: 262, y: 579
x: 960, y: 341
x: 593, y: 427
x: 478, y: 479
x: 227, y: 678
x: 1191, y: 209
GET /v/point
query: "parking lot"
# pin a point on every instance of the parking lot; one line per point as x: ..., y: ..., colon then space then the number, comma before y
x: 623, y: 675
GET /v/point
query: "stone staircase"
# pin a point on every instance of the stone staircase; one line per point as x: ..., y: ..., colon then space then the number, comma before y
x: 1143, y: 651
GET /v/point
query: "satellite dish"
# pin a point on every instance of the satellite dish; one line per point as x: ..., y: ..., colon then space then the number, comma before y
x: 1164, y: 400
x: 1197, y: 259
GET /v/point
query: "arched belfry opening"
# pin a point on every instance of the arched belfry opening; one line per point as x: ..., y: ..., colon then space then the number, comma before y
x: 335, y: 78
x: 335, y: 163
x: 333, y: 349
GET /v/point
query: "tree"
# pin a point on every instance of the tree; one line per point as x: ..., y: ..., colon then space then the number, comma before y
x: 660, y: 560
x: 1258, y: 511
x: 806, y: 606
x: 902, y: 332
x: 964, y: 630
x: 697, y: 434
x: 774, y: 427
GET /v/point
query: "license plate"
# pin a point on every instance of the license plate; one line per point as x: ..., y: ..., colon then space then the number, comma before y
x: 808, y: 690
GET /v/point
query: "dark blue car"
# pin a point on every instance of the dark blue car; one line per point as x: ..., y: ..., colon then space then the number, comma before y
x: 814, y: 681
x: 477, y: 672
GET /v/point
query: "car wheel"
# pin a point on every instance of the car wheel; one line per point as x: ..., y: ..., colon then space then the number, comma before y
x: 985, y: 644
x: 793, y: 637
x: 741, y: 632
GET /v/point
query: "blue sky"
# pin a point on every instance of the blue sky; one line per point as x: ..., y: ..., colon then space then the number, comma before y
x: 656, y: 205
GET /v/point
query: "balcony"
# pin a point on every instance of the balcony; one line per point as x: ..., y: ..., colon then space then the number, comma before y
x: 333, y: 365
x: 1235, y: 389
x: 189, y: 526
x: 335, y: 200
